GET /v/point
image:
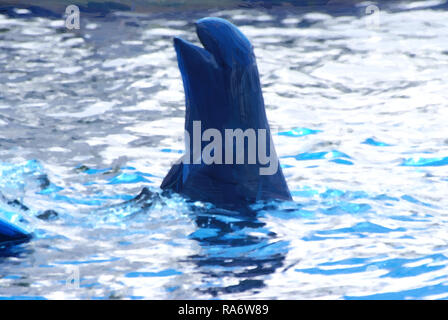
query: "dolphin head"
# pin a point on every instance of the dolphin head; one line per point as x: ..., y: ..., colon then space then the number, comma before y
x: 222, y: 91
x: 229, y: 46
x: 221, y: 81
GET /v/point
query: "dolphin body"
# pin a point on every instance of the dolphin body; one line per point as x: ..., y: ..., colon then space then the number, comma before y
x: 10, y: 233
x: 223, y: 91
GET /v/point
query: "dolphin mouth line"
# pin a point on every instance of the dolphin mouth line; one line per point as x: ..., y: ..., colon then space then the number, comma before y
x: 219, y: 38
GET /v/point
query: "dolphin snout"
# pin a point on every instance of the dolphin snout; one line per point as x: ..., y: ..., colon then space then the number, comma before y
x: 228, y: 45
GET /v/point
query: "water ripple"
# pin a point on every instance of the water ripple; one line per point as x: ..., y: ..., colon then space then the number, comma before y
x: 90, y: 122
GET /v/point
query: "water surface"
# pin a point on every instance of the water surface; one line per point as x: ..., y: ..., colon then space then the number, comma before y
x: 90, y: 117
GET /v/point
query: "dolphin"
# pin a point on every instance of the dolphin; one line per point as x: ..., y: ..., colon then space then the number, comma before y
x: 12, y: 234
x: 222, y: 92
x: 12, y: 231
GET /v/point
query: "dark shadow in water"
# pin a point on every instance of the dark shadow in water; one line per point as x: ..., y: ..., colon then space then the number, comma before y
x: 235, y: 244
x: 14, y: 249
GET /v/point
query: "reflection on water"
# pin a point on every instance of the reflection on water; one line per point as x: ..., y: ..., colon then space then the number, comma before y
x: 91, y: 118
x: 235, y: 245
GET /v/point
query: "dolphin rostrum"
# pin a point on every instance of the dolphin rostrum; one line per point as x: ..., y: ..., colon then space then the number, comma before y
x: 224, y: 99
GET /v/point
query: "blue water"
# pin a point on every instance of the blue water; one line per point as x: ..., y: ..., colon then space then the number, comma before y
x: 89, y: 118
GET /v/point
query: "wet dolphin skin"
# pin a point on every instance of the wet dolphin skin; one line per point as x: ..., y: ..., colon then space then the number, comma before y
x: 222, y: 93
